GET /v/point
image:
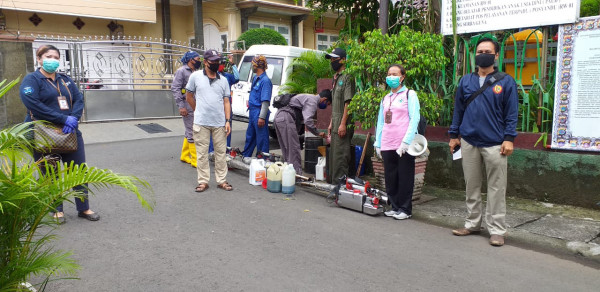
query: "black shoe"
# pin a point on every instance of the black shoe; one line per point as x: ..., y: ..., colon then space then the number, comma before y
x: 91, y: 217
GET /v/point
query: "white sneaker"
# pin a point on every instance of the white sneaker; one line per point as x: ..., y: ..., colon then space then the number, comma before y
x: 390, y: 213
x: 401, y: 216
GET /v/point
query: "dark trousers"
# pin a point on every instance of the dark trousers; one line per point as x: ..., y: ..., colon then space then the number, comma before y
x: 399, y: 179
x: 77, y: 157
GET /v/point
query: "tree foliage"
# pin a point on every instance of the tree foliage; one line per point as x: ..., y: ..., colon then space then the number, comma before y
x: 260, y: 36
x: 421, y: 54
x: 589, y: 8
x: 360, y: 16
x: 304, y: 73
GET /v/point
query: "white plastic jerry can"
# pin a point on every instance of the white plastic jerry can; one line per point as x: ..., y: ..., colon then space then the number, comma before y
x: 257, y: 172
x: 320, y: 168
x: 288, y: 181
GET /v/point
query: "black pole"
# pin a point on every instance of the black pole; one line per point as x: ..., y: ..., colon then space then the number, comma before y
x: 383, y: 15
x: 166, y: 26
x: 198, y: 24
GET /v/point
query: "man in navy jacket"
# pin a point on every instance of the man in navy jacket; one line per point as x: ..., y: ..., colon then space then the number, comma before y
x: 485, y: 130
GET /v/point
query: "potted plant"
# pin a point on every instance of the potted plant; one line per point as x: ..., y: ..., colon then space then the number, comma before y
x: 422, y: 56
x: 27, y: 195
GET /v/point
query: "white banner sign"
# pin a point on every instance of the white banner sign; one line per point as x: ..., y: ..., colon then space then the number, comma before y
x: 577, y: 95
x: 491, y: 15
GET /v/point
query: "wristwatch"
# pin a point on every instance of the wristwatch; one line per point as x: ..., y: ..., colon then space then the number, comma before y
x: 228, y: 120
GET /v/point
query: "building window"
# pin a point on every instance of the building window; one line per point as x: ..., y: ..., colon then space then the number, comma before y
x: 283, y: 29
x: 224, y: 44
x: 324, y: 41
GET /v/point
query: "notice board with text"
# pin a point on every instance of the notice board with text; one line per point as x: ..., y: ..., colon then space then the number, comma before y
x: 491, y: 15
x: 576, y: 123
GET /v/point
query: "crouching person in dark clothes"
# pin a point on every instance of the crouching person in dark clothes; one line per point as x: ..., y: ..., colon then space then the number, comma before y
x: 287, y: 120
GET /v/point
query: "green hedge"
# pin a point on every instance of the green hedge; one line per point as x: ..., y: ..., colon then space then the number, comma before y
x: 260, y: 36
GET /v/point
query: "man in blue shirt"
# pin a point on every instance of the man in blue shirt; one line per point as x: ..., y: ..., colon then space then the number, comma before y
x: 486, y: 128
x: 257, y: 134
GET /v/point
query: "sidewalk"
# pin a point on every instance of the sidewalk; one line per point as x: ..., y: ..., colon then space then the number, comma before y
x: 554, y: 228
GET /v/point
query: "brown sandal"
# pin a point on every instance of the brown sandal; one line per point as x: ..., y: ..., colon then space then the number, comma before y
x: 226, y: 186
x: 201, y: 188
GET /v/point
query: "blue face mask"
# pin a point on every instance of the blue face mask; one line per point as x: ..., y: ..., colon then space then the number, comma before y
x: 50, y: 65
x: 393, y: 81
x: 323, y: 105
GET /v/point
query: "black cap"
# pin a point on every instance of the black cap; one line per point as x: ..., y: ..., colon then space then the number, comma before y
x: 326, y: 93
x: 211, y: 55
x: 337, y: 53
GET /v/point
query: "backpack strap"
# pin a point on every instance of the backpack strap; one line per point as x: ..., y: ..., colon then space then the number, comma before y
x: 495, y: 78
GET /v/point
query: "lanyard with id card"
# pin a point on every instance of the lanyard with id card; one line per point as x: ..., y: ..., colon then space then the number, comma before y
x: 62, y: 100
x: 388, y: 114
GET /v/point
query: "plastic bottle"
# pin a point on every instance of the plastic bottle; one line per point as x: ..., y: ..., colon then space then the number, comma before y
x: 320, y: 168
x: 257, y: 172
x: 288, y: 181
x: 274, y: 174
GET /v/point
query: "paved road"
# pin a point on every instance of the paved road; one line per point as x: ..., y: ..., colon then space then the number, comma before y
x: 253, y: 240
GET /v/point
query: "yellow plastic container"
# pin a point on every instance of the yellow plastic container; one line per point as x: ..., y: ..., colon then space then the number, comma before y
x: 274, y: 173
x: 530, y: 68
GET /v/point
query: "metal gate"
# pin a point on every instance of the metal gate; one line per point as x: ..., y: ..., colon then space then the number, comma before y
x: 121, y: 79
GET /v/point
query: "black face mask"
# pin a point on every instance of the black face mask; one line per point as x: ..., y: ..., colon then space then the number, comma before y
x: 336, y: 65
x: 197, y: 64
x: 485, y: 60
x: 213, y: 67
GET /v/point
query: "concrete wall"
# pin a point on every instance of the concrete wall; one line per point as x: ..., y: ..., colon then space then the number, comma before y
x: 54, y: 24
x: 222, y: 14
x: 543, y: 175
x: 13, y: 63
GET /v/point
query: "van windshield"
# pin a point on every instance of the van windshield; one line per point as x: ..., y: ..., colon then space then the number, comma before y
x: 274, y: 69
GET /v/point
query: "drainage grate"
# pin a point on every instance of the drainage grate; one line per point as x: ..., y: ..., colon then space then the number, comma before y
x: 153, y: 128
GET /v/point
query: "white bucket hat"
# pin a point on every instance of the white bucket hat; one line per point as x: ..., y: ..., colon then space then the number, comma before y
x: 418, y: 146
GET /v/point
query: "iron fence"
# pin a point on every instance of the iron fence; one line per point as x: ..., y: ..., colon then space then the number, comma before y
x: 121, y: 78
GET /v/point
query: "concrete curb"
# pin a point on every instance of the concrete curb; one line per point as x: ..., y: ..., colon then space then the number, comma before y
x: 515, y: 237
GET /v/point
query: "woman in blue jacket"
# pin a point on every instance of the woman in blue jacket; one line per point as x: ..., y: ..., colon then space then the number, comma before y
x: 54, y: 97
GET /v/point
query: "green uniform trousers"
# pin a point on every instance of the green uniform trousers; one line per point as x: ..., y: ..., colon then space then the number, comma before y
x: 339, y: 155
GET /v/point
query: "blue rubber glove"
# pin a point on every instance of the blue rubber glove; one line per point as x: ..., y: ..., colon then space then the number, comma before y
x: 71, y: 122
x: 68, y: 129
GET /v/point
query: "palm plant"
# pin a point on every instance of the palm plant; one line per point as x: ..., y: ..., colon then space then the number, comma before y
x: 304, y: 73
x: 28, y: 192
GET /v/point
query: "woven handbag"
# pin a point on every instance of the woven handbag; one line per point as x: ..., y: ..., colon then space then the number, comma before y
x: 52, y: 134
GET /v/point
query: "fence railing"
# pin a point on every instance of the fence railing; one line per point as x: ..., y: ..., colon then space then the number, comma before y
x: 121, y: 78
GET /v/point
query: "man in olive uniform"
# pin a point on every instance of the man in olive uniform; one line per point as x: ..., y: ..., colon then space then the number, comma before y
x: 341, y: 134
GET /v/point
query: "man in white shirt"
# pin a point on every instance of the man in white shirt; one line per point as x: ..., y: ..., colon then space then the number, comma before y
x: 208, y: 95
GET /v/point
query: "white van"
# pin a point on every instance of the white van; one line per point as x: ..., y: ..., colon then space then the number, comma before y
x: 278, y: 60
